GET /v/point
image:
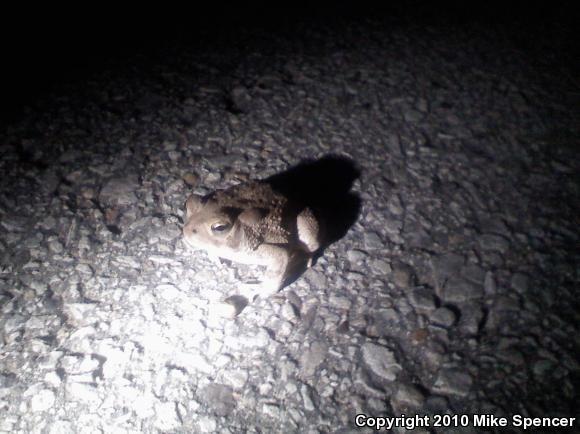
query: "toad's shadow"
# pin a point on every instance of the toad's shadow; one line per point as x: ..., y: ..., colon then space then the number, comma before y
x: 324, y: 186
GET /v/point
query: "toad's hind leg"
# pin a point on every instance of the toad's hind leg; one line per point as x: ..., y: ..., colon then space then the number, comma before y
x: 278, y: 260
x: 309, y: 233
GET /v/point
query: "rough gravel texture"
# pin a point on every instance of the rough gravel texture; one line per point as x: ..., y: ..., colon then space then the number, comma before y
x: 456, y: 289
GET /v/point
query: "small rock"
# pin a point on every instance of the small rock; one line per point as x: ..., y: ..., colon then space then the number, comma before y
x: 395, y: 205
x: 448, y: 265
x: 219, y: 398
x: 55, y: 246
x: 84, y: 269
x: 272, y: 410
x: 453, y: 382
x: 39, y: 286
x: 356, y: 256
x: 80, y: 314
x: 230, y: 308
x: 474, y: 273
x: 306, y: 394
x: 237, y: 379
x: 410, y: 395
x: 422, y: 298
x: 339, y: 302
x: 542, y: 367
x: 240, y: 100
x: 436, y: 404
x: 389, y: 316
x: 471, y: 318
x: 458, y: 290
x: 312, y: 358
x: 520, y: 282
x: 489, y: 285
x: 403, y: 276
x: 42, y: 401
x: 315, y: 278
x: 380, y: 266
x: 12, y: 325
x: 61, y: 427
x: 119, y: 191
x: 393, y: 227
x: 381, y: 361
x: 443, y: 317
x: 166, y: 418
x: 372, y: 241
x: 288, y: 312
x: 83, y: 392
x: 191, y: 179
x: 206, y: 424
x: 291, y: 388
x: 494, y: 242
x: 48, y: 223
x: 287, y: 369
x: 419, y: 336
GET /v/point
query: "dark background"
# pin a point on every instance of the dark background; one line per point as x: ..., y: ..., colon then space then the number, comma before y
x: 46, y: 46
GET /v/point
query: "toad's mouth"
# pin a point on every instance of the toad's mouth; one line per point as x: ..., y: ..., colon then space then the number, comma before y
x: 189, y: 243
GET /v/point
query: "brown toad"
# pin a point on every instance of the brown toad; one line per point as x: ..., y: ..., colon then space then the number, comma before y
x: 253, y: 224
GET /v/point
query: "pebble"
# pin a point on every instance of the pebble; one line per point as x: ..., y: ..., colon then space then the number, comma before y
x: 471, y: 318
x: 520, y: 282
x: 448, y: 265
x: 42, y: 400
x: 489, y: 285
x: 356, y: 256
x: 409, y: 395
x: 380, y: 266
x: 452, y: 381
x: 240, y: 99
x: 436, y: 404
x: 381, y: 361
x: 119, y: 191
x: 83, y: 392
x: 474, y: 273
x: 288, y: 312
x: 403, y: 276
x: 458, y: 290
x: 219, y: 397
x: 80, y: 314
x: 306, y: 394
x: 48, y: 223
x: 166, y: 417
x: 494, y: 242
x: 206, y: 424
x: 61, y: 427
x: 272, y: 410
x: 312, y: 358
x: 55, y: 246
x: 372, y: 241
x: 315, y: 278
x: 39, y: 286
x: 422, y: 298
x: 443, y: 317
x: 236, y: 379
x: 191, y: 179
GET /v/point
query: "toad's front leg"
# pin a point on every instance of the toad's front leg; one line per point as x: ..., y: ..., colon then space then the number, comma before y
x: 283, y: 264
x: 278, y: 261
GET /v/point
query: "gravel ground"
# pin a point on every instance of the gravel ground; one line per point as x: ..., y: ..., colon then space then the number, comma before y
x: 455, y: 290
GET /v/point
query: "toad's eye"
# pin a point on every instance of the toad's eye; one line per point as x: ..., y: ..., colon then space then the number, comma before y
x: 220, y: 227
